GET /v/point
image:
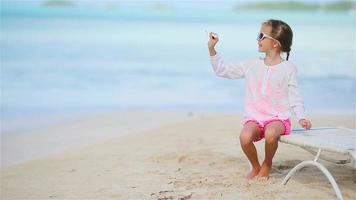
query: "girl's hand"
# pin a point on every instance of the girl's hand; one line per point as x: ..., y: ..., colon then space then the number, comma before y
x: 213, y: 39
x: 305, y: 123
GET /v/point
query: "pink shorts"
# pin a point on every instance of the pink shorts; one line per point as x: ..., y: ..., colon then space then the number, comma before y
x: 263, y: 124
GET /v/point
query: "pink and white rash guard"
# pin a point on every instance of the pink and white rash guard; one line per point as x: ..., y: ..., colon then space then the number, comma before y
x: 271, y: 91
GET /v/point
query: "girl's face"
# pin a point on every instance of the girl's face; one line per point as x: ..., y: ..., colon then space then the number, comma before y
x: 267, y: 44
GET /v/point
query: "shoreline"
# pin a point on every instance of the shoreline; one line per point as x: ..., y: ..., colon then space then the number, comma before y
x: 35, y: 122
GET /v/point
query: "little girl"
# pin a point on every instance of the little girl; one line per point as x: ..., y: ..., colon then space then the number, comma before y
x: 271, y: 93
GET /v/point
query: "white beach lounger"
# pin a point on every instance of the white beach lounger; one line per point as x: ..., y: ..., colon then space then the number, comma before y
x: 324, y: 139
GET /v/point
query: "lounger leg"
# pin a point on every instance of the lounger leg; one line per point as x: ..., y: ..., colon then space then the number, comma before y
x: 322, y: 168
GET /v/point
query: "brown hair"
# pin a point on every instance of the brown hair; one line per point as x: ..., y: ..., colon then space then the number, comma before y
x: 282, y: 32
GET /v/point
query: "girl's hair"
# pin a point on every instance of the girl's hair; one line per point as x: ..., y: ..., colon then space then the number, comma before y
x: 282, y: 32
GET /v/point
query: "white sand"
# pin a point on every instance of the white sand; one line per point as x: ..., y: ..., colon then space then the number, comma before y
x: 26, y: 145
x: 198, y: 158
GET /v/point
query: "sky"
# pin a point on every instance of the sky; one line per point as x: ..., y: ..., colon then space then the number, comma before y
x: 209, y: 3
x: 138, y: 1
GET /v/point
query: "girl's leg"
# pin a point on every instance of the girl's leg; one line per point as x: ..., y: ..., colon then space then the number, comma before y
x: 249, y: 133
x: 272, y: 132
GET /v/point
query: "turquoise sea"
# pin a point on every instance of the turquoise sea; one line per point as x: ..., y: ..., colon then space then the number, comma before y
x: 143, y: 56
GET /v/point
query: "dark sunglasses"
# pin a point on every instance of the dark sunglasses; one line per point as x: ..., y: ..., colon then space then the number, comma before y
x: 262, y: 35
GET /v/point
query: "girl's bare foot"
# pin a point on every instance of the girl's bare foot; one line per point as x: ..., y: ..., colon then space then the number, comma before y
x: 254, y: 172
x: 262, y: 178
x: 263, y: 174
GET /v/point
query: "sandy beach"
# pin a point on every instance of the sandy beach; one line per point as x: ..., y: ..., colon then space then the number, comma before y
x: 142, y: 155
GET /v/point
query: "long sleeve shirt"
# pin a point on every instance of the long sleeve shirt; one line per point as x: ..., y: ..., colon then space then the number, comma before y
x: 271, y: 91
